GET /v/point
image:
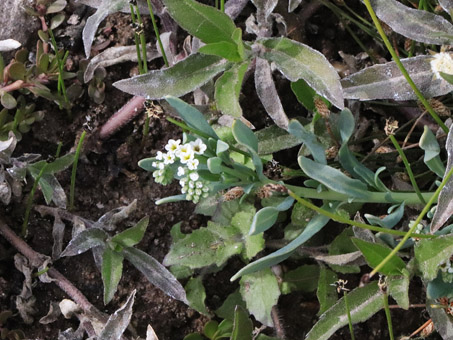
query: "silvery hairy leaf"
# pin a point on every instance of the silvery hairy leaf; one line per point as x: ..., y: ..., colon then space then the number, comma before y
x: 447, y: 5
x: 9, y: 45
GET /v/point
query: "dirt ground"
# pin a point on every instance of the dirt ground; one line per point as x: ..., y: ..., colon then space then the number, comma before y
x: 108, y: 177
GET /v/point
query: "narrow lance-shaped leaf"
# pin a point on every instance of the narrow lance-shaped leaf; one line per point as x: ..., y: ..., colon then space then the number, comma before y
x: 228, y: 89
x: 315, y: 225
x: 385, y: 81
x: 326, y: 293
x: 180, y: 79
x: 298, y: 61
x: 273, y: 139
x: 118, y: 321
x: 375, y: 253
x: 107, y: 7
x: 204, y: 22
x: 266, y: 217
x: 112, y: 269
x: 267, y: 92
x: 333, y: 178
x: 309, y: 139
x: 84, y: 241
x: 156, y: 273
x: 399, y: 290
x: 130, y: 237
x: 363, y: 303
x: 428, y: 142
x: 445, y: 201
x: 442, y: 321
x: 242, y: 325
x: 418, y: 25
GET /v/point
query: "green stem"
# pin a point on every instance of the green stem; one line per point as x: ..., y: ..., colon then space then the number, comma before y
x: 351, y: 329
x: 156, y: 32
x: 74, y: 170
x: 408, y: 168
x: 402, y: 68
x: 387, y: 314
x: 45, y: 270
x: 60, y: 84
x: 142, y: 41
x: 57, y: 154
x: 137, y: 42
x: 222, y: 5
x: 30, y: 200
x: 417, y: 221
x: 344, y: 220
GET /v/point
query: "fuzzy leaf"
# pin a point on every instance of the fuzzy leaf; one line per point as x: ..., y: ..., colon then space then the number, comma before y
x: 375, y: 253
x: 196, y: 295
x: 332, y: 178
x: 107, y: 7
x: 223, y: 49
x: 418, y: 25
x: 428, y: 142
x: 315, y: 225
x: 363, y: 303
x: 442, y: 322
x: 84, y: 241
x: 191, y: 116
x: 156, y: 273
x: 399, y: 290
x: 180, y: 79
x: 245, y: 136
x: 385, y: 81
x: 259, y: 304
x: 7, y: 100
x: 226, y: 310
x: 293, y: 4
x: 304, y: 94
x: 118, y: 321
x: 242, y: 220
x: 204, y: 22
x: 112, y: 269
x: 447, y: 5
x: 228, y: 89
x: 304, y: 278
x: 430, y: 253
x: 326, y: 293
x: 242, y: 325
x: 266, y: 217
x: 445, y: 200
x: 267, y: 92
x: 298, y: 61
x: 131, y: 236
x: 273, y: 139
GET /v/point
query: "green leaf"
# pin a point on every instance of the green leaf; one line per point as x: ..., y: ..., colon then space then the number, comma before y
x: 228, y: 89
x: 315, y: 225
x: 171, y: 199
x: 56, y: 6
x: 215, y: 165
x: 303, y: 279
x: 242, y: 220
x: 196, y: 295
x: 388, y: 221
x: 342, y: 246
x: 155, y: 273
x: 442, y: 321
x: 298, y: 61
x: 333, y: 179
x: 112, y: 269
x: 430, y: 253
x: 266, y: 217
x: 363, y: 303
x: 428, y: 142
x: 259, y: 304
x: 242, y: 325
x: 17, y: 71
x: 191, y: 116
x: 180, y: 79
x: 131, y: 236
x: 245, y: 136
x: 85, y: 240
x: 375, y: 253
x: 7, y: 100
x: 210, y: 328
x: 273, y: 139
x: 204, y: 22
x: 226, y: 310
x: 326, y: 292
x: 204, y: 247
x: 223, y: 49
x: 237, y: 38
x: 304, y: 94
x: 309, y: 139
x: 439, y: 288
x: 399, y: 290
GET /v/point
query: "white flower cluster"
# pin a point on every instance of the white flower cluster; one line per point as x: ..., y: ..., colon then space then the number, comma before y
x: 441, y: 62
x: 191, y: 184
x: 418, y: 229
x: 446, y: 266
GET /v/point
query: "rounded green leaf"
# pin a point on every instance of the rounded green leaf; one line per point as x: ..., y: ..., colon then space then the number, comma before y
x: 8, y: 101
x: 215, y: 165
x: 245, y: 136
x: 17, y: 71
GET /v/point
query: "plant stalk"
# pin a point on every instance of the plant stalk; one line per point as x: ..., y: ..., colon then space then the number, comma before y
x: 387, y: 314
x: 74, y: 171
x: 156, y: 32
x: 351, y: 328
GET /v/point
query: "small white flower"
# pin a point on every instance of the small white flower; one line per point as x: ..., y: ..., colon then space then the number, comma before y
x: 159, y: 155
x: 183, y: 190
x: 189, y: 197
x: 172, y: 145
x: 198, y: 146
x: 450, y: 270
x: 186, y: 155
x: 185, y: 148
x: 169, y: 158
x: 194, y: 176
x: 192, y: 164
x: 442, y: 62
x: 181, y: 171
x: 198, y: 192
x: 161, y: 166
x: 183, y: 182
x: 191, y: 185
x: 154, y: 164
x: 190, y: 191
x: 199, y: 185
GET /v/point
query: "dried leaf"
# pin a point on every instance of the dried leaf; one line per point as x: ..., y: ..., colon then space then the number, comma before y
x: 109, y: 220
x: 9, y: 45
x: 52, y: 315
x: 293, y: 4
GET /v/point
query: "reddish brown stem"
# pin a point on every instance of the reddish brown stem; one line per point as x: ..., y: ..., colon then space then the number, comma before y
x: 123, y: 116
x: 18, y: 84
